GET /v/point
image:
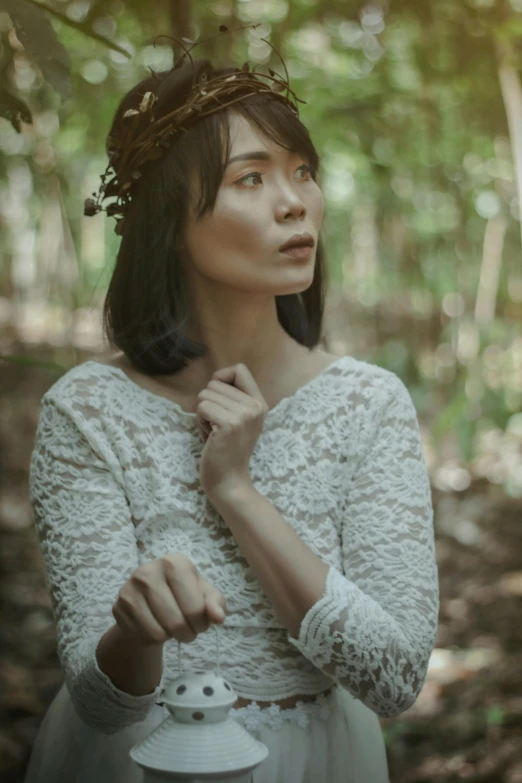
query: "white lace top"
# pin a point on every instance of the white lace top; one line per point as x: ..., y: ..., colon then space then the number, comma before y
x: 114, y: 484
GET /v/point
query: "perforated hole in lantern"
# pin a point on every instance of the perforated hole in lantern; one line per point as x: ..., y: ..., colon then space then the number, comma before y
x: 227, y: 686
x: 198, y: 715
x: 208, y: 691
x: 181, y: 689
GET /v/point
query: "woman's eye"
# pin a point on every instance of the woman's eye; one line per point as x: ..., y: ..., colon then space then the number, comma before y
x: 258, y: 175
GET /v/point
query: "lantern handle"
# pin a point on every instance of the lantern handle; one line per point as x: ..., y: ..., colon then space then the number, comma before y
x: 215, y: 626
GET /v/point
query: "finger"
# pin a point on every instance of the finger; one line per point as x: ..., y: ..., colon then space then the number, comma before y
x: 215, y: 613
x: 186, y: 591
x: 167, y: 612
x: 161, y: 603
x: 226, y: 389
x: 138, y: 620
x: 232, y: 395
x: 211, y: 395
x: 205, y: 426
x: 240, y: 376
x: 216, y: 413
x: 214, y: 600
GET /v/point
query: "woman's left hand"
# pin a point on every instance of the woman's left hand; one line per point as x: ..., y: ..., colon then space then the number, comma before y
x: 231, y: 413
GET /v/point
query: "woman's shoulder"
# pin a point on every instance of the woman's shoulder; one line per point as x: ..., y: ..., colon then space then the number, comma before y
x: 371, y: 390
x: 370, y: 380
x: 115, y: 360
x: 87, y: 383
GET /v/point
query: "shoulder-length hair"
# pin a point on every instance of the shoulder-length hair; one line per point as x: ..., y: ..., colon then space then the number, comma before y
x: 146, y: 307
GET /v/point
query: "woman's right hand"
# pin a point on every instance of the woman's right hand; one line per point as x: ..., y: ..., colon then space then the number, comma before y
x: 166, y: 599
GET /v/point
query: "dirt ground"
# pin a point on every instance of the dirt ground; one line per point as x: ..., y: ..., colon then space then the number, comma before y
x: 466, y: 724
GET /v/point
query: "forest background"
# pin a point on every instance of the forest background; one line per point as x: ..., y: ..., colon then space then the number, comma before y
x: 416, y: 109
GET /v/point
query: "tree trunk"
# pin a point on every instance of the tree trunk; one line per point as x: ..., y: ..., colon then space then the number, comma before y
x: 512, y: 97
x: 180, y: 15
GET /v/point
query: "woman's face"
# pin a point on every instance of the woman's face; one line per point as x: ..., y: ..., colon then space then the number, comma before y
x: 260, y: 205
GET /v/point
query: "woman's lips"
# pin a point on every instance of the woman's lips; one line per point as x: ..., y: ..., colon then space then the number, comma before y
x: 299, y: 251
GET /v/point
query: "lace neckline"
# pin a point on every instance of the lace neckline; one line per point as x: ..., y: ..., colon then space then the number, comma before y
x: 162, y: 401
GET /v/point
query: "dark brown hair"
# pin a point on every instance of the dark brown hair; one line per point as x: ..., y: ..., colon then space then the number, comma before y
x: 146, y: 307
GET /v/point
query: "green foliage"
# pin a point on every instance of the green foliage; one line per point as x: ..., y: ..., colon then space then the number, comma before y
x: 495, y: 716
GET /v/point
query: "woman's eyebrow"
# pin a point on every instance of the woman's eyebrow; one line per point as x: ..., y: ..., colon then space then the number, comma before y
x: 255, y: 155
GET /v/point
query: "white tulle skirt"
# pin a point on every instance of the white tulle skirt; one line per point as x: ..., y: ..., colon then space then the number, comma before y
x: 333, y: 740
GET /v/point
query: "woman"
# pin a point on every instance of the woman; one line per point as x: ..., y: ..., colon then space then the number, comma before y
x: 222, y: 442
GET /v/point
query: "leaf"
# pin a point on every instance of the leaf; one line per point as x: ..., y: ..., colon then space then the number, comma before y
x: 36, y: 34
x: 112, y: 187
x: 494, y: 715
x: 90, y: 207
x: 81, y: 26
x: 14, y: 110
x: 147, y: 102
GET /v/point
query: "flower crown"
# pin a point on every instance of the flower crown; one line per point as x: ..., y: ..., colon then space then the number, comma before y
x: 140, y: 137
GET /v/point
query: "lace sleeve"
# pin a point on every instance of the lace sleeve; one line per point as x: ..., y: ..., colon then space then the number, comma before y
x: 374, y: 629
x: 87, y: 541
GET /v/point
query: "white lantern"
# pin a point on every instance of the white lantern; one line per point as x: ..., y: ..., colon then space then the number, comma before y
x: 198, y: 741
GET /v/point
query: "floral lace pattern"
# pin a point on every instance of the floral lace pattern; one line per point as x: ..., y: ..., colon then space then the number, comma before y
x: 252, y: 716
x: 114, y: 484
